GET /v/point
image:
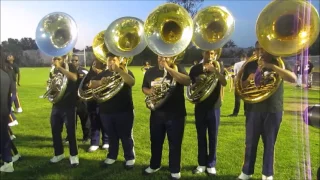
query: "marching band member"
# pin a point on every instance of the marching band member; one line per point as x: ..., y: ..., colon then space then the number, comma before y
x: 207, y: 115
x: 5, y: 102
x: 117, y: 114
x: 145, y: 67
x: 82, y: 105
x: 16, y: 78
x: 65, y: 111
x: 168, y: 119
x: 237, y: 67
x: 263, y: 118
x: 96, y: 70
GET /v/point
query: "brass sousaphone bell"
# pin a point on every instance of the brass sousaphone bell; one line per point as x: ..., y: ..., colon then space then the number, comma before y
x: 213, y: 27
x: 100, y: 52
x: 284, y: 28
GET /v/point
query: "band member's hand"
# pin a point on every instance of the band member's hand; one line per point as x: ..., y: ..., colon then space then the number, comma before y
x: 57, y: 64
x: 114, y: 67
x: 251, y: 77
x: 104, y: 80
x: 210, y: 68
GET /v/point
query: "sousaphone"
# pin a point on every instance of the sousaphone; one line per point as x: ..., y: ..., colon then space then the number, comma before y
x: 213, y: 27
x: 56, y: 35
x: 124, y: 37
x: 284, y: 28
x: 168, y: 32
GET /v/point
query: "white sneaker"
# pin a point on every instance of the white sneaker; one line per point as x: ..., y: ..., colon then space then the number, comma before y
x: 176, y: 175
x: 12, y: 137
x: 16, y: 157
x: 56, y: 159
x: 74, y: 160
x: 267, y: 177
x: 130, y: 162
x: 105, y: 146
x: 7, y: 167
x: 19, y: 110
x: 150, y: 171
x: 212, y: 171
x: 13, y: 123
x: 93, y: 148
x: 12, y: 109
x: 109, y: 161
x: 199, y: 169
x: 244, y: 176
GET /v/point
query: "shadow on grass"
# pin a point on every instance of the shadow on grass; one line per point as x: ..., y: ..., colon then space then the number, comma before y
x: 38, y: 167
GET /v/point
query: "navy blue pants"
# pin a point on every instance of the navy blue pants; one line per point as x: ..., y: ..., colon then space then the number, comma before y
x: 207, y: 121
x: 82, y: 113
x: 5, y: 139
x: 172, y: 125
x: 118, y: 126
x: 14, y: 97
x: 267, y: 126
x: 58, y: 117
x: 96, y: 128
x: 14, y: 150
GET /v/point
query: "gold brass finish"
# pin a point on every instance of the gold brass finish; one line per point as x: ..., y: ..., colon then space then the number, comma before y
x: 99, y: 48
x: 213, y: 27
x: 269, y: 83
x: 168, y: 30
x: 285, y: 28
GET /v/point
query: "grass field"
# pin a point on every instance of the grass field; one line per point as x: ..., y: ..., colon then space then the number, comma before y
x: 296, y: 142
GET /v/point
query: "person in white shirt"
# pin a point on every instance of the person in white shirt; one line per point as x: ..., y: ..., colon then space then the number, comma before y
x: 237, y: 67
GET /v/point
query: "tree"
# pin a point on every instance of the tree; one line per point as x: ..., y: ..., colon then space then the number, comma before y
x: 230, y: 44
x: 28, y: 44
x: 192, y: 6
x: 75, y: 50
x: 89, y: 48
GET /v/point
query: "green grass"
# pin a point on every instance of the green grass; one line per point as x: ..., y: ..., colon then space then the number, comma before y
x: 296, y: 141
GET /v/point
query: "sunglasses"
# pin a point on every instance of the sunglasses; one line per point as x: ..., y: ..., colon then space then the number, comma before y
x: 74, y: 60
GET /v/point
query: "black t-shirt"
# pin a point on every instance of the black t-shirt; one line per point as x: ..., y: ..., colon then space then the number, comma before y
x: 11, y: 70
x: 121, y: 102
x: 309, y: 67
x: 14, y: 70
x: 92, y: 104
x: 214, y: 99
x: 175, y: 104
x: 275, y: 102
x: 298, y: 69
x: 69, y: 98
x: 5, y: 93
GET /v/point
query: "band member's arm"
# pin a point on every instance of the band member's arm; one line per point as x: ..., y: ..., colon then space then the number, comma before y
x: 221, y: 77
x: 127, y: 78
x: 285, y: 74
x: 192, y: 77
x: 146, y: 87
x: 180, y: 76
x: 71, y: 74
x: 17, y: 71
